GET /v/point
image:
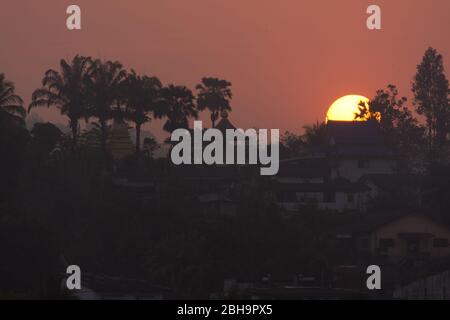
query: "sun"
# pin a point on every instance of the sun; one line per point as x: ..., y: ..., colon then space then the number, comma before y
x: 345, y: 108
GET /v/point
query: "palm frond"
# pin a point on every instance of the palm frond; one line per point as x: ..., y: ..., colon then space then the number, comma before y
x: 16, y: 109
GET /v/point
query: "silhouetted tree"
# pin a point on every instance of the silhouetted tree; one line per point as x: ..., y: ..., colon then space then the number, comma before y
x: 150, y: 146
x: 141, y: 94
x: 13, y: 139
x: 214, y: 94
x: 104, y: 94
x: 9, y: 101
x: 431, y: 92
x: 291, y: 145
x: 400, y: 128
x: 13, y: 136
x: 315, y: 135
x: 66, y: 90
x: 45, y: 135
x: 177, y: 104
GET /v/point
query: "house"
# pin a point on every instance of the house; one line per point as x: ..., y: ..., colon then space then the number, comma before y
x: 306, y: 169
x: 357, y: 148
x: 398, y: 239
x: 432, y: 287
x: 331, y: 178
x: 328, y: 195
x: 401, y: 188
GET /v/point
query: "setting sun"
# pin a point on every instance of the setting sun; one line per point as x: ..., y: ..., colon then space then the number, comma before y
x: 345, y: 108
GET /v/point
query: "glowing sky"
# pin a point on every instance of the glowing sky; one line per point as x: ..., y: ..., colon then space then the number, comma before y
x: 288, y: 60
x: 346, y: 108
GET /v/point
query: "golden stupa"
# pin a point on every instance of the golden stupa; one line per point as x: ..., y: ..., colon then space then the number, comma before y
x: 119, y: 141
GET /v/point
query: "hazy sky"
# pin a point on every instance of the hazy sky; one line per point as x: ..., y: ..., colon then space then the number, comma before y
x: 287, y: 59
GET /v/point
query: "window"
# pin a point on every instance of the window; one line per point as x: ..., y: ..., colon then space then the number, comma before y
x: 440, y: 243
x: 386, y: 243
x: 329, y: 196
x: 363, y: 164
x: 350, y: 197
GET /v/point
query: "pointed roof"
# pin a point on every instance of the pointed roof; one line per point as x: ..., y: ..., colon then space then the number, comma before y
x: 224, y: 123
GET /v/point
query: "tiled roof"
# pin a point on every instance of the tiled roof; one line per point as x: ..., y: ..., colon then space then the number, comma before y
x: 225, y: 124
x: 356, y: 138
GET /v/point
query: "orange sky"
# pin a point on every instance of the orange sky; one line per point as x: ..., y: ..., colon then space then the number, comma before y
x: 287, y: 59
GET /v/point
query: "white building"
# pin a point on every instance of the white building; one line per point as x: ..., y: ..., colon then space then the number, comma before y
x: 330, y: 179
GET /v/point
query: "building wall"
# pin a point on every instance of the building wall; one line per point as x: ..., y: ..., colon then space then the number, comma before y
x: 349, y: 167
x: 341, y: 201
x: 436, y: 287
x: 410, y: 224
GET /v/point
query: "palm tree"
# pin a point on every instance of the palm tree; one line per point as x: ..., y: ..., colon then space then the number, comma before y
x: 214, y: 94
x: 66, y: 90
x: 105, y: 85
x: 140, y: 94
x: 9, y: 101
x: 177, y: 104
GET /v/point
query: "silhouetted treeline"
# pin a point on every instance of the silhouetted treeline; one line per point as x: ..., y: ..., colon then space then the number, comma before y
x: 59, y: 197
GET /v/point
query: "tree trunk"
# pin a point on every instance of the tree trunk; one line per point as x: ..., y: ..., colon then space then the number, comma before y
x: 74, y: 128
x: 138, y: 140
x: 103, y: 136
x: 213, y: 120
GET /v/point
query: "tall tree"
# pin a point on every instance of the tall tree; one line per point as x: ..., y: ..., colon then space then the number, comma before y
x: 13, y: 138
x: 400, y: 128
x: 66, y: 90
x: 105, y: 86
x: 431, y: 93
x: 177, y: 104
x: 45, y: 135
x: 141, y: 95
x: 214, y: 94
x: 9, y: 101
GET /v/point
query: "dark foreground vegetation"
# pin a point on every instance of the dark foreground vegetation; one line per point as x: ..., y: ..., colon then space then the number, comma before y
x: 60, y: 199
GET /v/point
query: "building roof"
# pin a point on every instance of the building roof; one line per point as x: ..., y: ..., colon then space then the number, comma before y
x: 224, y: 123
x: 393, y: 182
x: 355, y: 138
x: 371, y: 222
